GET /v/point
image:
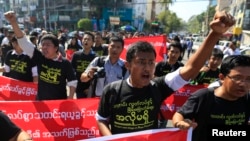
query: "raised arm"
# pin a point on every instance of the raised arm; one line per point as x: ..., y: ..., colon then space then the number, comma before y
x: 27, y: 46
x: 221, y: 23
x: 11, y: 17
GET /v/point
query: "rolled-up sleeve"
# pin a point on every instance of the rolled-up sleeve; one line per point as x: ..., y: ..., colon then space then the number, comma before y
x: 26, y: 45
x: 174, y: 80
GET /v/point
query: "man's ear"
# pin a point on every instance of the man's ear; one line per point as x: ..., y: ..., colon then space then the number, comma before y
x: 221, y: 77
x: 127, y: 65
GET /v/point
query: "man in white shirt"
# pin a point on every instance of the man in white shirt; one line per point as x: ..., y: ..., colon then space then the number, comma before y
x: 231, y: 50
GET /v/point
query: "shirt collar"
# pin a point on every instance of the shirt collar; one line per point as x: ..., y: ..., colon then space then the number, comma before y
x: 120, y: 62
x: 58, y: 58
x: 14, y: 52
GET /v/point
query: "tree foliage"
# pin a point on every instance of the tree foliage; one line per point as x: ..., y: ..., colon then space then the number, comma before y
x: 200, y: 23
x: 170, y: 21
x: 84, y: 24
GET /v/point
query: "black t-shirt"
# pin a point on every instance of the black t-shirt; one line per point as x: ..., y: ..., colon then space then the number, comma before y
x: 216, y: 112
x: 6, y: 49
x: 135, y: 109
x: 163, y: 68
x: 53, y: 77
x: 20, y: 66
x: 80, y: 62
x: 7, y: 129
x: 206, y: 77
x: 100, y: 50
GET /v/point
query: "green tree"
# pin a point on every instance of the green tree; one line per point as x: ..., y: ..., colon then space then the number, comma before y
x: 166, y: 2
x: 198, y: 22
x: 170, y: 21
x: 84, y: 24
x: 194, y: 25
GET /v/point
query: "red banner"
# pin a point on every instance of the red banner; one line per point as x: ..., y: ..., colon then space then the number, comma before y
x: 176, y: 100
x: 159, y: 43
x: 55, y: 120
x: 69, y: 120
x: 168, y: 134
x: 11, y: 89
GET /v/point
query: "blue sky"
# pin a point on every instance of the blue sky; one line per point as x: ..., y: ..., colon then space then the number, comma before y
x: 187, y: 8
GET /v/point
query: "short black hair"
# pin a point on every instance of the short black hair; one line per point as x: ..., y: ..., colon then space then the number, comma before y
x: 217, y: 53
x: 139, y: 46
x: 232, y: 61
x: 34, y: 33
x: 117, y: 39
x: 90, y: 34
x: 51, y: 37
x: 176, y: 45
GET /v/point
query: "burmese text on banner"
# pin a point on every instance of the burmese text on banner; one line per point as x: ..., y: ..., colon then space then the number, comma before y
x: 11, y: 89
x: 54, y: 120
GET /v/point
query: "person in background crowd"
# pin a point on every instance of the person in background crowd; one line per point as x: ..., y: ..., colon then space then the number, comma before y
x: 3, y: 34
x: 10, y: 131
x: 6, y: 46
x: 18, y: 64
x: 99, y: 48
x: 113, y: 67
x: 80, y: 61
x: 139, y: 95
x: 170, y: 65
x: 73, y: 44
x: 225, y: 106
x: 34, y: 38
x: 62, y: 37
x: 44, y: 32
x: 210, y: 72
x: 105, y: 37
x: 232, y: 49
x: 189, y: 46
x: 55, y: 72
x: 61, y: 48
x: 178, y: 40
x: 184, y: 46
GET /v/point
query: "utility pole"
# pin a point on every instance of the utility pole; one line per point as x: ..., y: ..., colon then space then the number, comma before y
x: 45, y: 17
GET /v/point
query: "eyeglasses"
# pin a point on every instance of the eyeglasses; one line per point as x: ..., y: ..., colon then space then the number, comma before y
x: 239, y: 79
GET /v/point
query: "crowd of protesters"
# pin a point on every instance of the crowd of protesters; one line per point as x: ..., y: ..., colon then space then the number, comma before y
x: 96, y: 62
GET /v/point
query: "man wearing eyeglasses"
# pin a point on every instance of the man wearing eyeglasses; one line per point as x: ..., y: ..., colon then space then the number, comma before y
x: 226, y: 106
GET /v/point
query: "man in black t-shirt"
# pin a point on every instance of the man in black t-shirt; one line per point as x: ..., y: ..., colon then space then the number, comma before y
x: 18, y: 64
x: 227, y: 106
x: 55, y: 72
x: 5, y: 45
x: 98, y: 47
x: 210, y: 72
x: 135, y: 105
x: 171, y: 63
x: 80, y: 61
x: 11, y: 132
